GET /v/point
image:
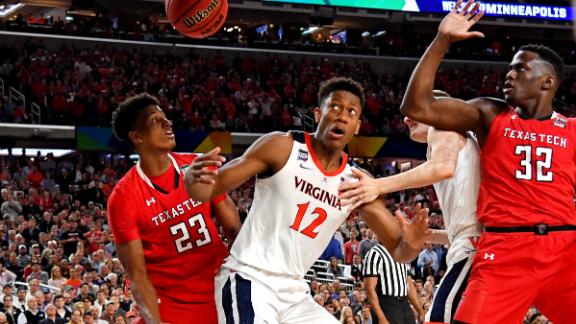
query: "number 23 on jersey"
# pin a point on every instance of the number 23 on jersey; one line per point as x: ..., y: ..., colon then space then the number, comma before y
x: 183, y: 229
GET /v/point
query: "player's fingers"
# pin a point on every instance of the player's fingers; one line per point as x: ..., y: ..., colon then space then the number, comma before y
x: 356, y: 205
x: 464, y: 10
x: 206, y: 163
x: 418, y: 208
x: 350, y: 193
x: 458, y: 4
x: 477, y: 17
x: 347, y: 186
x: 214, y: 151
x: 206, y: 180
x: 474, y: 10
x: 358, y: 173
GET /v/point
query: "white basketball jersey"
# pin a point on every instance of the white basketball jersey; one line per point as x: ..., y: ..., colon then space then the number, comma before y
x: 458, y: 195
x: 294, y: 215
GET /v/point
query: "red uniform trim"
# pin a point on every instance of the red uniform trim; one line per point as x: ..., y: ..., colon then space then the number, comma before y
x: 320, y: 167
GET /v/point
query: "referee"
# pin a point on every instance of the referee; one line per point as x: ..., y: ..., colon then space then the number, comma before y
x: 388, y: 288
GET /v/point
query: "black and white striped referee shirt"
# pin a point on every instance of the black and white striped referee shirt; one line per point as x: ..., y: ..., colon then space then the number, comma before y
x: 391, y: 275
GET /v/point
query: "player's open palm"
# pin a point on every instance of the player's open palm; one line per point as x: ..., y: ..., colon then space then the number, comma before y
x: 204, y: 168
x: 456, y: 25
x: 414, y: 232
x: 358, y: 193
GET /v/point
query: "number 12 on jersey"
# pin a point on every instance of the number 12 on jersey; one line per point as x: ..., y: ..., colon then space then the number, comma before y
x: 543, y: 173
x: 308, y: 230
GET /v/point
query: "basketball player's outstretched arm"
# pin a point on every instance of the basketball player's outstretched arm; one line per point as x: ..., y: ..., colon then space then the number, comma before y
x: 444, y: 147
x: 264, y: 157
x: 403, y: 239
x: 447, y: 113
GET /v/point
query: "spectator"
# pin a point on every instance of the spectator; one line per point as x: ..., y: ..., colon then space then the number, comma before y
x: 368, y: 243
x: 51, y: 317
x: 56, y: 278
x: 10, y: 206
x: 428, y: 259
x: 7, y: 277
x: 334, y: 267
x: 14, y: 314
x: 76, y: 317
x: 109, y: 312
x: 62, y: 312
x: 33, y: 314
x: 351, y: 247
x: 37, y: 273
x: 75, y: 279
x: 356, y: 267
x: 20, y: 301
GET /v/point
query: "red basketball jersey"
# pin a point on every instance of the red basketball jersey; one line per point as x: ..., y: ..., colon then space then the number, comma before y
x: 528, y: 171
x: 181, y: 244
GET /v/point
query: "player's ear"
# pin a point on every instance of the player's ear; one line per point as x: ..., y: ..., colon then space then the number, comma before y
x: 317, y: 114
x: 358, y: 128
x: 549, y: 83
x: 134, y: 137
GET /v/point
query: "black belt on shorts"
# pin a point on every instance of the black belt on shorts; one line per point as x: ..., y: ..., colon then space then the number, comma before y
x: 538, y: 229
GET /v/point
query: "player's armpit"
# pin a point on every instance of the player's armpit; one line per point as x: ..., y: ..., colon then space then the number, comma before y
x: 131, y: 256
x: 227, y: 215
x: 264, y: 157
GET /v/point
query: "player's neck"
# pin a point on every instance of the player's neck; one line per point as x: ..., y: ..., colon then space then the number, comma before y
x: 536, y: 110
x: 329, y: 159
x: 155, y: 165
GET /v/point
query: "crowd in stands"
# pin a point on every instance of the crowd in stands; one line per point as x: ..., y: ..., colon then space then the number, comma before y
x: 250, y: 94
x: 154, y: 27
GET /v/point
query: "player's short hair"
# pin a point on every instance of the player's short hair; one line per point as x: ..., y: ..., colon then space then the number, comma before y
x: 125, y: 116
x: 547, y: 54
x: 341, y: 84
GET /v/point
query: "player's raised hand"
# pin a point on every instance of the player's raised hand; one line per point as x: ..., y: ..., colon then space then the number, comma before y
x: 358, y: 193
x: 204, y: 168
x: 414, y: 232
x: 456, y: 25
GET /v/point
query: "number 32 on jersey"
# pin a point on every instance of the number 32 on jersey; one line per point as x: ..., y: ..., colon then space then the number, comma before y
x: 541, y: 157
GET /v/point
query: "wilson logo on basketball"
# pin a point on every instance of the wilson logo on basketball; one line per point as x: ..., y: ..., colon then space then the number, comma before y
x: 200, y: 15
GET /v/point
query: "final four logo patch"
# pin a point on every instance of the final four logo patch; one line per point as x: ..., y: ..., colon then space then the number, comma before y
x: 302, y: 155
x: 560, y: 122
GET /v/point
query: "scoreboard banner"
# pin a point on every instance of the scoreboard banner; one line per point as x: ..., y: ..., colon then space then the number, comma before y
x: 498, y: 9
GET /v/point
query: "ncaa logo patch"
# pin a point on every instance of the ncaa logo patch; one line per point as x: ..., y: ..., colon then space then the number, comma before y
x: 560, y: 122
x: 302, y: 155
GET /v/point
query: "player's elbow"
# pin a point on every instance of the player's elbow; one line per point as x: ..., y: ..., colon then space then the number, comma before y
x: 413, y: 107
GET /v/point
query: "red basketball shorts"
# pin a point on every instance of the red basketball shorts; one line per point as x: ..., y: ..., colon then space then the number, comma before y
x: 512, y: 271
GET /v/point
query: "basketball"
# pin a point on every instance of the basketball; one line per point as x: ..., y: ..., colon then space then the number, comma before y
x: 197, y: 18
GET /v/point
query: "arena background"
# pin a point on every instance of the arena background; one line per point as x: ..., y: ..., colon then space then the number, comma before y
x: 66, y: 64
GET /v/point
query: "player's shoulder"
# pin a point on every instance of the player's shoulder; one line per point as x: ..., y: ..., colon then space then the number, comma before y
x: 127, y: 182
x: 273, y: 142
x: 183, y: 159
